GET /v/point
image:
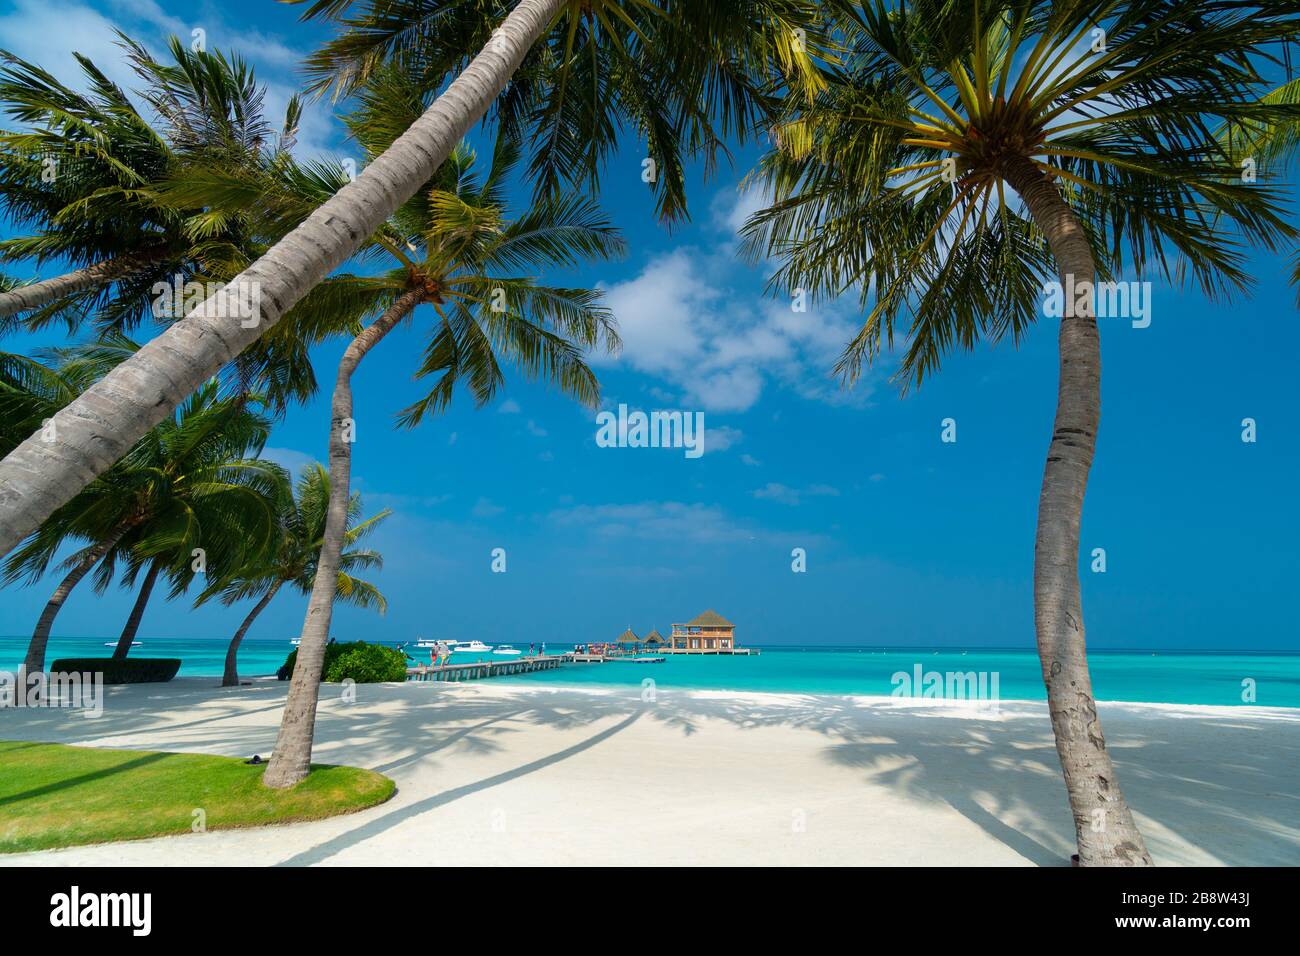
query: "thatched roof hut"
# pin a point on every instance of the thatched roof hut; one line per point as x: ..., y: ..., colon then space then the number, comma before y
x: 654, y: 637
x: 710, y: 618
x: 627, y: 637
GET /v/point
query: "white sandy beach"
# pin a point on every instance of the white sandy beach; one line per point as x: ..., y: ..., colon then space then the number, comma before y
x: 490, y: 773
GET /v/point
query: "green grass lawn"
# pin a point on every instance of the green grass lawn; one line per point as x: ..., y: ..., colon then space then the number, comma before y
x: 52, y: 795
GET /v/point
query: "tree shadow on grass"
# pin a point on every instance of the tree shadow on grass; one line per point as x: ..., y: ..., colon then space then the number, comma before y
x: 80, y: 780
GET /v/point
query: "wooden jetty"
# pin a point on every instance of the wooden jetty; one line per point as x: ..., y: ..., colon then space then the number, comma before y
x: 482, y: 669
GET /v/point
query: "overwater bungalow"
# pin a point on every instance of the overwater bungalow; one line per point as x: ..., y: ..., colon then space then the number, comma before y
x: 628, y: 641
x: 709, y: 633
x: 654, y: 640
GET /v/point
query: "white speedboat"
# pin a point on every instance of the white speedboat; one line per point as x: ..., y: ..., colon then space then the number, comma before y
x: 114, y: 644
x: 505, y: 650
x: 297, y: 641
x: 469, y: 647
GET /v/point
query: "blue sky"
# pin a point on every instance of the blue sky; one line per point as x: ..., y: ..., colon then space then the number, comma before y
x: 909, y: 540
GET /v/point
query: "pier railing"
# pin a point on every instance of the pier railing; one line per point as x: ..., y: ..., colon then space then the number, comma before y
x: 482, y: 669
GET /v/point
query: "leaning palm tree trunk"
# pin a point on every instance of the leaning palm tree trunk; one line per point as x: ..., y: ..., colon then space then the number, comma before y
x: 98, y: 427
x: 35, y: 659
x: 28, y: 297
x: 291, y: 758
x: 230, y: 677
x: 137, y: 613
x: 1103, y: 824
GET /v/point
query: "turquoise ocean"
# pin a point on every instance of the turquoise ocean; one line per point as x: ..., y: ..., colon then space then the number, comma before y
x: 1174, y: 677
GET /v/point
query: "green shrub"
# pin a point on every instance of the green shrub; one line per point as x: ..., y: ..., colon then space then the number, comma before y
x: 133, y: 670
x: 355, y: 660
x: 367, y: 664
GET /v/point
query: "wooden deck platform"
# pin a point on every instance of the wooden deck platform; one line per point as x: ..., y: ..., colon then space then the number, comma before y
x: 483, y: 669
x: 731, y: 652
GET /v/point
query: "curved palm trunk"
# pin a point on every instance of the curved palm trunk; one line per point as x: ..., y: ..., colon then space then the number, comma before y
x: 98, y: 427
x: 37, y: 294
x: 35, y: 659
x: 1103, y: 824
x: 291, y: 758
x: 137, y: 612
x: 230, y: 677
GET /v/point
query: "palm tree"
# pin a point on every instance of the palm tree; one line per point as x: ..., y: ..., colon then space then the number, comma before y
x: 603, y: 58
x: 79, y: 172
x: 1269, y: 143
x: 189, y: 489
x: 102, y: 207
x: 773, y: 38
x: 31, y: 392
x: 1267, y: 139
x: 968, y: 151
x: 452, y: 248
x: 301, y: 532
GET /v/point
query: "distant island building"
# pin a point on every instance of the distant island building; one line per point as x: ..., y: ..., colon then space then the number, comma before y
x: 710, y: 632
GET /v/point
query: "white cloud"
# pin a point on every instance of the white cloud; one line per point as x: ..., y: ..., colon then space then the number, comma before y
x: 729, y: 390
x: 683, y: 321
x: 382, y: 499
x: 721, y: 438
x: 509, y: 407
x: 658, y: 314
x: 147, y: 11
x: 536, y: 430
x: 483, y: 508
x: 47, y: 32
x: 774, y: 491
x: 672, y: 523
x: 655, y: 520
x: 730, y: 208
x: 784, y: 494
x: 750, y: 460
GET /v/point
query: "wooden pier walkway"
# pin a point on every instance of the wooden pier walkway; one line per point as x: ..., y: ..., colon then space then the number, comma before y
x: 482, y: 669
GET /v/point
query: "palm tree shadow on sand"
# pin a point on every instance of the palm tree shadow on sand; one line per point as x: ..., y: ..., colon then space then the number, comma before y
x: 1000, y: 772
x: 395, y: 817
x: 1207, y: 782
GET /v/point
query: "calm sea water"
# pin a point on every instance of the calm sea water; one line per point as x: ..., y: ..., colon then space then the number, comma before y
x: 1173, y: 677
